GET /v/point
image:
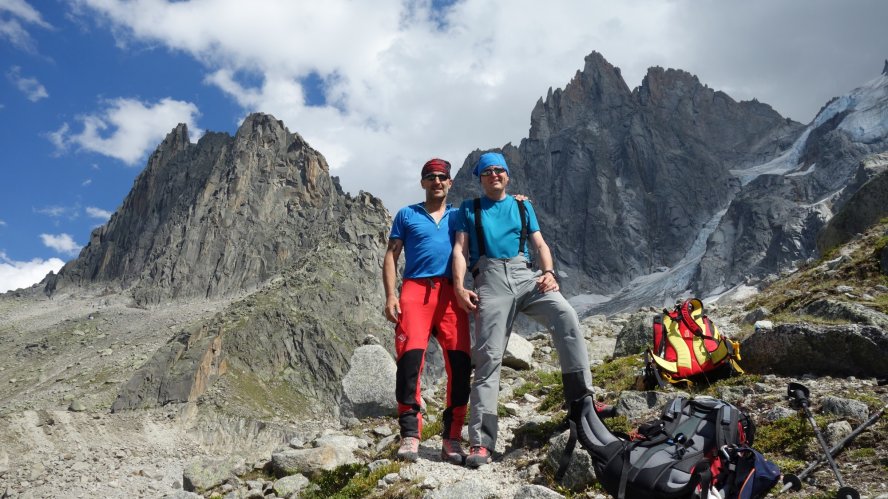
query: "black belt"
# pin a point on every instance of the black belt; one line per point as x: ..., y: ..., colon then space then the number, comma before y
x: 430, y: 281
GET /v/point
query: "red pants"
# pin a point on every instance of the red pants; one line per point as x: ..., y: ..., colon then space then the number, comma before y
x: 428, y: 308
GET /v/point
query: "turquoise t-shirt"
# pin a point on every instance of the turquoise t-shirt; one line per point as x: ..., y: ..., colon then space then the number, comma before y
x: 501, y: 223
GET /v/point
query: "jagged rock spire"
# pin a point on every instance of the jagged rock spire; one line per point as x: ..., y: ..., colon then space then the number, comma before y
x: 885, y: 68
x: 216, y: 217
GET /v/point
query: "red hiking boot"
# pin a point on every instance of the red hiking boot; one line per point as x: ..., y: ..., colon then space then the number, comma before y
x: 409, y: 449
x: 452, y: 451
x: 477, y: 456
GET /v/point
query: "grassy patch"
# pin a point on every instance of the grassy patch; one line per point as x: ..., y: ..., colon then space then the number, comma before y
x: 269, y: 398
x: 860, y: 269
x: 618, y: 374
x: 787, y: 436
x: 331, y: 483
x: 620, y: 424
x: 536, y: 434
x: 866, y: 453
x: 361, y: 484
x: 430, y: 429
x: 701, y: 388
x: 350, y: 481
x: 880, y: 244
x: 789, y: 465
x: 544, y: 384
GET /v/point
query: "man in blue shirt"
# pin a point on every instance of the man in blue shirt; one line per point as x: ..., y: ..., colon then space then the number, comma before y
x: 427, y: 307
x: 496, y: 250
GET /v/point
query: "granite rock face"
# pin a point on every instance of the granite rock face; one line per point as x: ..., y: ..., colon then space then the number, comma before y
x: 623, y: 180
x: 217, y: 217
x: 867, y: 204
x: 258, y: 219
x: 827, y: 187
x: 797, y: 349
x: 679, y: 182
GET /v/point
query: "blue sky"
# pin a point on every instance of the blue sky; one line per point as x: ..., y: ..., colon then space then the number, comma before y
x: 90, y: 87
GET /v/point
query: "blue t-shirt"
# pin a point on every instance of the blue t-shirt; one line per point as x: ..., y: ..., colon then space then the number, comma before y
x: 427, y: 245
x: 501, y: 223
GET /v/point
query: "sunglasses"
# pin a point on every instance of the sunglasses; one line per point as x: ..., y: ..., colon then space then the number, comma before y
x: 436, y: 176
x: 492, y: 171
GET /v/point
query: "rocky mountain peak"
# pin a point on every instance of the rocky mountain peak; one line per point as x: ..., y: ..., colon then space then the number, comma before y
x: 659, y: 81
x: 219, y: 216
x: 885, y: 68
x: 606, y: 167
x: 597, y: 93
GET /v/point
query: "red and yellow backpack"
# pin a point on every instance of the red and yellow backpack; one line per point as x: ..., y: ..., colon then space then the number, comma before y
x: 688, y: 346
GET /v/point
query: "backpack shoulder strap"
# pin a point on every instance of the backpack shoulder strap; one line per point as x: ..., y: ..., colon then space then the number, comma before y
x: 672, y: 415
x: 479, y: 231
x: 522, y: 213
x: 686, y: 312
x: 726, y: 431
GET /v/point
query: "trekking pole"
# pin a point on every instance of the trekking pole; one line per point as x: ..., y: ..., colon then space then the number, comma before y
x: 798, y: 393
x: 794, y: 482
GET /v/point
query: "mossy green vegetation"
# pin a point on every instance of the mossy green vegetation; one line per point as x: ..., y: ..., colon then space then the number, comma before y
x: 618, y: 374
x: 332, y: 483
x: 432, y: 428
x: 788, y: 437
x: 356, y: 480
x: 537, y: 434
x: 269, y: 398
x: 546, y: 385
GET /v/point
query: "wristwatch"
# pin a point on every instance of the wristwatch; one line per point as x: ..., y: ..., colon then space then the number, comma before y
x: 550, y: 271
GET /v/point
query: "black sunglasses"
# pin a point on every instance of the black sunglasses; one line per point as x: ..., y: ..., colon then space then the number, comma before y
x: 436, y: 176
x: 492, y: 171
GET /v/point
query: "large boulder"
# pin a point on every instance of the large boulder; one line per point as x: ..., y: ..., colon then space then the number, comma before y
x: 519, y: 353
x: 203, y: 474
x: 796, y: 349
x: 311, y: 461
x: 847, y: 311
x: 579, y: 473
x: 636, y: 335
x: 368, y: 389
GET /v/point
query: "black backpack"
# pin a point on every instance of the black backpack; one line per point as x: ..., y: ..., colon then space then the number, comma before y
x: 695, y: 445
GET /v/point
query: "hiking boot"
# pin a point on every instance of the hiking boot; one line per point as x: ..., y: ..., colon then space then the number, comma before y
x: 605, y: 411
x: 409, y: 449
x: 452, y: 451
x: 477, y: 456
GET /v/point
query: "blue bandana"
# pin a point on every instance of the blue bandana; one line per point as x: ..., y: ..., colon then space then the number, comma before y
x: 489, y: 159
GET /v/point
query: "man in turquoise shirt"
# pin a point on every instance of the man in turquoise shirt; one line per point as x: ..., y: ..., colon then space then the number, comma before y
x: 505, y: 284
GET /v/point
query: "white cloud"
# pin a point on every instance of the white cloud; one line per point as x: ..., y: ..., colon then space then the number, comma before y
x: 15, y: 275
x: 61, y: 243
x: 2, y: 223
x: 86, y: 182
x: 403, y: 83
x: 59, y: 137
x: 94, y: 212
x: 55, y: 211
x: 12, y: 14
x: 33, y: 89
x: 127, y: 129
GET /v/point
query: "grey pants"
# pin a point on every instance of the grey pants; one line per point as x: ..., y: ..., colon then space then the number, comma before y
x: 506, y: 287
